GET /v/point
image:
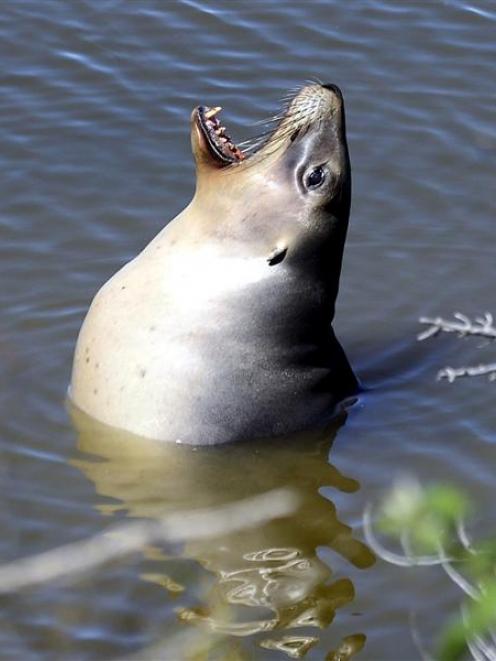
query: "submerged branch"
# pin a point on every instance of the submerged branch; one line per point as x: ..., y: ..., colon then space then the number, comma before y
x: 481, y: 326
x: 463, y: 326
x: 453, y: 373
x: 73, y: 559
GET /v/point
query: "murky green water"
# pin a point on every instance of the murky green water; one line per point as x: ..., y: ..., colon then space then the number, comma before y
x: 94, y: 160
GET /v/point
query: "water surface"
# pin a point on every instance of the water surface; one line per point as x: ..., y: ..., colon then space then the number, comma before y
x: 95, y: 160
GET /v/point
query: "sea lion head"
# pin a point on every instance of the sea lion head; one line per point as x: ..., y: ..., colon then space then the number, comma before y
x: 291, y: 190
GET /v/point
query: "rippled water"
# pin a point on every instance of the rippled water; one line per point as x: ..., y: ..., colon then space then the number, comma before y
x: 94, y: 160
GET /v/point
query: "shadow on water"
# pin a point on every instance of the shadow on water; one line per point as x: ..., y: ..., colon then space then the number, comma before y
x: 266, y: 582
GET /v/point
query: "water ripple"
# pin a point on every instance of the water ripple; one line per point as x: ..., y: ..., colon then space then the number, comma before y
x: 94, y: 125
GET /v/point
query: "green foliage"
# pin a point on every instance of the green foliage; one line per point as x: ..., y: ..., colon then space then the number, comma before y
x: 428, y: 516
x: 427, y: 521
x: 479, y: 618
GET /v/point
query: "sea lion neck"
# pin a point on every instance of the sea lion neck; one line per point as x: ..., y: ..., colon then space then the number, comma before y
x: 235, y: 211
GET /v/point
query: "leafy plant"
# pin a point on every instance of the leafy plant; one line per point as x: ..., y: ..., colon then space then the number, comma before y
x: 428, y: 523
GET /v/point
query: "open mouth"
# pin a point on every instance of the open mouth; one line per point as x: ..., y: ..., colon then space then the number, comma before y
x: 302, y: 110
x: 218, y: 140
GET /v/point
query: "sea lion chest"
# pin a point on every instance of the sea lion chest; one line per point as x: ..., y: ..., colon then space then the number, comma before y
x: 182, y: 343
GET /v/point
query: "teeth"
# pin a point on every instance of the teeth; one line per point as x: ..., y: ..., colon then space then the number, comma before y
x: 223, y: 139
x: 238, y: 153
x: 212, y: 112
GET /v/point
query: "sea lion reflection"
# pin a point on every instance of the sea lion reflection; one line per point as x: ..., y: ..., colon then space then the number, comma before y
x: 265, y: 579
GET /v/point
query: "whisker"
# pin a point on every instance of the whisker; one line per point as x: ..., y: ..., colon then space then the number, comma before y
x: 314, y: 80
x: 291, y: 119
x: 271, y: 132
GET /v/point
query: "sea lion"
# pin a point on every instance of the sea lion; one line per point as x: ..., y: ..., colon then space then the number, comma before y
x: 220, y: 330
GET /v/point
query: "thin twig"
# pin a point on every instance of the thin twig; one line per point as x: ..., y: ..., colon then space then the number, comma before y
x: 480, y: 650
x: 389, y: 556
x: 460, y: 580
x: 463, y: 326
x: 482, y: 326
x: 453, y: 373
x: 417, y: 640
x: 463, y: 537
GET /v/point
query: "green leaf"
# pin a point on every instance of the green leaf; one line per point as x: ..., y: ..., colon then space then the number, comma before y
x: 480, y: 617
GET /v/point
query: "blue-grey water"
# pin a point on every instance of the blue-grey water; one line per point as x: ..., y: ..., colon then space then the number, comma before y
x: 95, y: 159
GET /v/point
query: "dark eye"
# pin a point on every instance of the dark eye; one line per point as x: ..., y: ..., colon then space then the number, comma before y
x: 315, y: 178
